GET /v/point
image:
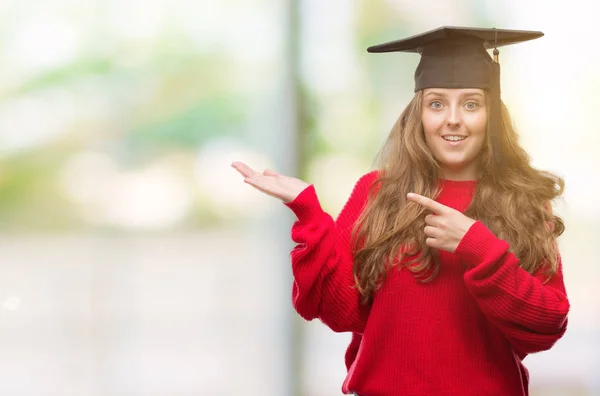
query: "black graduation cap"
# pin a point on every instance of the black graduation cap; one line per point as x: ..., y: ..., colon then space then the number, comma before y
x: 457, y: 57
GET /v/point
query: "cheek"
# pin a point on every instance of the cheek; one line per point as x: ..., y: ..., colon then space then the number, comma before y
x: 482, y: 128
x: 427, y: 131
x: 431, y: 125
x: 478, y: 130
x: 478, y: 124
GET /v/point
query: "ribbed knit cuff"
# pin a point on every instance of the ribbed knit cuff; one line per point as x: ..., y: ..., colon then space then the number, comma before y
x: 306, y: 205
x: 476, y: 243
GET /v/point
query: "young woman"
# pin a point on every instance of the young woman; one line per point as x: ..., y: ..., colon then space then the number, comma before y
x: 443, y: 264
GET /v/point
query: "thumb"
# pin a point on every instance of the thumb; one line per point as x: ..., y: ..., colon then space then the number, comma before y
x: 269, y: 172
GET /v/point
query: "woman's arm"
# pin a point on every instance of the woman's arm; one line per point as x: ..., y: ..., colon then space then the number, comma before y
x: 322, y: 261
x: 529, y: 309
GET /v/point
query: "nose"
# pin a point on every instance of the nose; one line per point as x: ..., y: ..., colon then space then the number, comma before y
x: 454, y: 118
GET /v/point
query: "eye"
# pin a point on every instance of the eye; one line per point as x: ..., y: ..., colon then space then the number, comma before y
x: 471, y: 105
x: 436, y: 104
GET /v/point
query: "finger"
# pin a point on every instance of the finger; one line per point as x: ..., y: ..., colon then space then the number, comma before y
x: 259, y: 181
x: 432, y: 242
x: 433, y: 232
x: 428, y: 203
x: 262, y: 186
x: 433, y: 220
x: 244, y: 169
x: 270, y: 172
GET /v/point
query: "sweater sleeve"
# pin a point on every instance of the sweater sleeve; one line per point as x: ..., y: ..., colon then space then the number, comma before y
x: 322, y: 261
x: 530, y: 310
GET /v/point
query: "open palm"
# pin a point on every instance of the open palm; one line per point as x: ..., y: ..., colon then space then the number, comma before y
x: 271, y: 183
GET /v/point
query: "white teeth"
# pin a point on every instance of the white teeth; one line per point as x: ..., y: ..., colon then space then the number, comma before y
x: 454, y: 138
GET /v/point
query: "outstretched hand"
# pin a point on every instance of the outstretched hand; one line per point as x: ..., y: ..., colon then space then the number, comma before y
x: 446, y: 227
x: 271, y: 183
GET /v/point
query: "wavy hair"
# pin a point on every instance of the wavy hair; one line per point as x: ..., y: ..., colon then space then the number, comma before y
x: 511, y: 198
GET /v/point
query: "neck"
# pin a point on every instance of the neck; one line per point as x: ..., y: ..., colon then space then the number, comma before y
x: 467, y: 173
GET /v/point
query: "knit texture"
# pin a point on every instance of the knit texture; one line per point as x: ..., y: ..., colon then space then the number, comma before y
x: 464, y: 333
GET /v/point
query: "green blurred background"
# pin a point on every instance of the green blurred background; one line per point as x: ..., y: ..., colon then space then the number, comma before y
x: 135, y: 261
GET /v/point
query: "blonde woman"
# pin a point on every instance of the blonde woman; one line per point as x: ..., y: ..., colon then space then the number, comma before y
x: 443, y: 264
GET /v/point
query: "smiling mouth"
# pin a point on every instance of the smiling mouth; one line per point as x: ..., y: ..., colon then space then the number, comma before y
x: 453, y: 138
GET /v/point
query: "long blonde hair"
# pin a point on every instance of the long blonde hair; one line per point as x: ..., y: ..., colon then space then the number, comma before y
x: 511, y: 198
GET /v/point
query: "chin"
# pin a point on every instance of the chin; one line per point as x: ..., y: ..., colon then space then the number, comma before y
x: 454, y: 164
x: 458, y: 166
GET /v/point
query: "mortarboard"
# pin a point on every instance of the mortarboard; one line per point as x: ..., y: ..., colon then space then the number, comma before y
x: 457, y: 57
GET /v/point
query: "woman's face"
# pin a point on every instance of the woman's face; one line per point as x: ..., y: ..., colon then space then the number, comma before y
x: 455, y: 122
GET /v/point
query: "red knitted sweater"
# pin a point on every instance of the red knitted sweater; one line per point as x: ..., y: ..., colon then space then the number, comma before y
x: 464, y: 333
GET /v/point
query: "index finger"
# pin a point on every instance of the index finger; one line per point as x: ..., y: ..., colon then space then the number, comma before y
x: 244, y: 169
x: 429, y: 203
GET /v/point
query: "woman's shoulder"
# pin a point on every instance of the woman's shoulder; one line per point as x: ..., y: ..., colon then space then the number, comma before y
x: 365, y: 184
x: 370, y: 177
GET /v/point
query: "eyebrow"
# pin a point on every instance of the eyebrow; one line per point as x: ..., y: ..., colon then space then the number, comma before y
x: 436, y: 93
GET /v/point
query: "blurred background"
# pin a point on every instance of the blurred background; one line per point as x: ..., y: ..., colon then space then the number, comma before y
x: 135, y: 261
